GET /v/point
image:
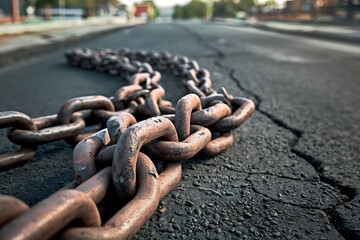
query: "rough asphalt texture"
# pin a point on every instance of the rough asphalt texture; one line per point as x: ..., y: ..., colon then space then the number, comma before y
x: 293, y: 172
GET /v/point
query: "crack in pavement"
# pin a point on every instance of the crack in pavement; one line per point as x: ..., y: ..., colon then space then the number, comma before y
x: 279, y: 200
x: 349, y: 193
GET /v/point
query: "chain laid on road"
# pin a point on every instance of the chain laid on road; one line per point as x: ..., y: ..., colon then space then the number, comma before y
x: 113, y: 161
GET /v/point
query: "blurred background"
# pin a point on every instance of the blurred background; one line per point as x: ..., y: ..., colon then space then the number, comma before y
x: 38, y: 11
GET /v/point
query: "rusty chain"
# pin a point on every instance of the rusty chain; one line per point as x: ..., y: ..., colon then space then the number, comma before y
x: 129, y: 127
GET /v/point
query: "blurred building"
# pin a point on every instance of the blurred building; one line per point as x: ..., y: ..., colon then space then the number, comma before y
x: 144, y: 10
x: 10, y: 11
x: 341, y: 9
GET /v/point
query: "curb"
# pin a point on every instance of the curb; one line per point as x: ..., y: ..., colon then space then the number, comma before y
x: 317, y: 34
x: 18, y: 29
x: 20, y: 54
x: 313, y: 34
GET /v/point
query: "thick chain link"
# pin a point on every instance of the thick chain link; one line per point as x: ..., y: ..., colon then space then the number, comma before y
x: 114, y: 155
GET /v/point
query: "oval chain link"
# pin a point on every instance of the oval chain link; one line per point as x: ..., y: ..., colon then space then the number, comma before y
x: 132, y: 126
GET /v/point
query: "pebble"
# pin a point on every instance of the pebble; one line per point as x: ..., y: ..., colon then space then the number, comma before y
x: 176, y: 227
x: 206, y: 223
x: 248, y: 215
x: 175, y: 195
x: 179, y: 213
x: 197, y: 211
x: 214, y: 222
x: 276, y: 235
x: 229, y: 194
x: 196, y: 183
x: 188, y: 203
x: 240, y: 218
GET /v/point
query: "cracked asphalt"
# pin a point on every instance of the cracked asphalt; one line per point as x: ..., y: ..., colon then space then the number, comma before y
x: 294, y: 169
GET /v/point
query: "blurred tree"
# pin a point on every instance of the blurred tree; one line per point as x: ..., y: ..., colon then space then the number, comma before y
x: 42, y: 3
x: 229, y: 8
x: 271, y: 4
x: 246, y: 5
x: 194, y: 9
x: 178, y: 12
x: 225, y: 8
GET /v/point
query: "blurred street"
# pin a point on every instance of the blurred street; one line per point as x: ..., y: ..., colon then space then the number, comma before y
x: 294, y: 170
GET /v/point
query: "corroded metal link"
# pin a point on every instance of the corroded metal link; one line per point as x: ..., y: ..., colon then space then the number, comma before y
x: 122, y: 93
x: 202, y: 122
x: 210, y: 115
x: 170, y: 178
x: 49, y: 216
x: 152, y: 101
x: 86, y: 151
x: 105, y: 156
x: 48, y: 134
x: 11, y: 159
x: 117, y: 124
x: 218, y: 144
x: 207, y: 116
x: 84, y: 155
x: 245, y: 108
x: 128, y: 147
x: 183, y: 111
x: 97, y: 186
x: 10, y: 208
x: 139, y: 78
x: 191, y: 87
x: 175, y: 151
x: 102, y: 115
x: 134, y: 214
x: 83, y: 103
x: 131, y: 217
x: 16, y: 120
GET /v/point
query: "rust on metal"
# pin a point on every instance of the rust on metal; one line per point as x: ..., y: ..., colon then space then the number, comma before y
x: 244, y: 108
x: 175, y: 151
x: 49, y: 216
x: 117, y: 125
x: 183, y: 111
x: 110, y: 155
x: 17, y: 120
x: 134, y: 214
x: 83, y: 103
x: 152, y: 102
x: 10, y: 208
x: 210, y: 115
x: 12, y: 159
x: 84, y: 155
x: 128, y: 147
x: 97, y: 186
x: 48, y: 134
x: 218, y: 145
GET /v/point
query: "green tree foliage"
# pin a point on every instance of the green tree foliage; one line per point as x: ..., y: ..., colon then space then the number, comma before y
x: 194, y: 9
x: 225, y: 8
x: 246, y: 5
x: 42, y: 3
x: 229, y: 8
x: 271, y: 4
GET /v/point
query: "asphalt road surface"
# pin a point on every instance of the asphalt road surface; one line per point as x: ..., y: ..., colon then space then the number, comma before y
x: 294, y: 170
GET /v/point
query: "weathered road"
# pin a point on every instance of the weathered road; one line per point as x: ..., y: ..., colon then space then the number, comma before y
x: 294, y: 171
